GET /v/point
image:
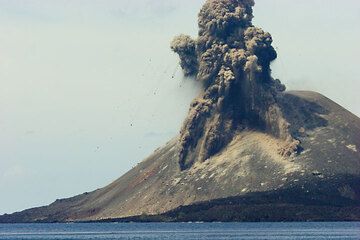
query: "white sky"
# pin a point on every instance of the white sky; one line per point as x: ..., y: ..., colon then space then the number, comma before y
x: 86, y: 87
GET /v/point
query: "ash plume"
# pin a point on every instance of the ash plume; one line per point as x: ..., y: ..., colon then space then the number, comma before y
x: 231, y: 58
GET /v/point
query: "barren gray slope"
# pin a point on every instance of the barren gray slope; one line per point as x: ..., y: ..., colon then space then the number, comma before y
x: 330, y: 138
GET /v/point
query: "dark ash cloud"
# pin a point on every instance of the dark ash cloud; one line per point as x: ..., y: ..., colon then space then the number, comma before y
x: 231, y: 58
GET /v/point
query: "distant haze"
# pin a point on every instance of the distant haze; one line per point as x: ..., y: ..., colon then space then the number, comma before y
x: 89, y: 88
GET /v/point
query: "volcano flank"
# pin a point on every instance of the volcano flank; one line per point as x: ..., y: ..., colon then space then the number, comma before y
x: 247, y: 151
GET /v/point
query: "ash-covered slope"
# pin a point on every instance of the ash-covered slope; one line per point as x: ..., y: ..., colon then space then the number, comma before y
x: 247, y: 180
x: 246, y: 147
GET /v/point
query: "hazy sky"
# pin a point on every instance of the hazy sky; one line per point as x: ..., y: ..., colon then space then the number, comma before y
x: 88, y: 88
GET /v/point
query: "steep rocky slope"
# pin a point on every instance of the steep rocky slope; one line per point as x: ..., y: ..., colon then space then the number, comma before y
x: 247, y: 180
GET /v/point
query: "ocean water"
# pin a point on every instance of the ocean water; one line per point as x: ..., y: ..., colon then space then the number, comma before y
x: 181, y: 231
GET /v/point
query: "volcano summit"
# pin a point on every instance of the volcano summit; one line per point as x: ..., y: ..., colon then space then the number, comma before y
x: 247, y: 151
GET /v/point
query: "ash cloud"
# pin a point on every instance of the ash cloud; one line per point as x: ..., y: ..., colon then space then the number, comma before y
x: 186, y: 48
x: 231, y: 58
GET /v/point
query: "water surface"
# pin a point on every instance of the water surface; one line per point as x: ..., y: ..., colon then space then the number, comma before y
x: 180, y: 231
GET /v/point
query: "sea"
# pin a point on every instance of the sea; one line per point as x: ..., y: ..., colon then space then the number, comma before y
x: 182, y: 231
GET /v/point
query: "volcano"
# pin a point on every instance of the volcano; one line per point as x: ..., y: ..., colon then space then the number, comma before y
x: 248, y: 150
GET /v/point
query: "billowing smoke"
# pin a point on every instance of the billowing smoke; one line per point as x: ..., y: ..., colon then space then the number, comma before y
x: 186, y: 48
x: 231, y: 58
